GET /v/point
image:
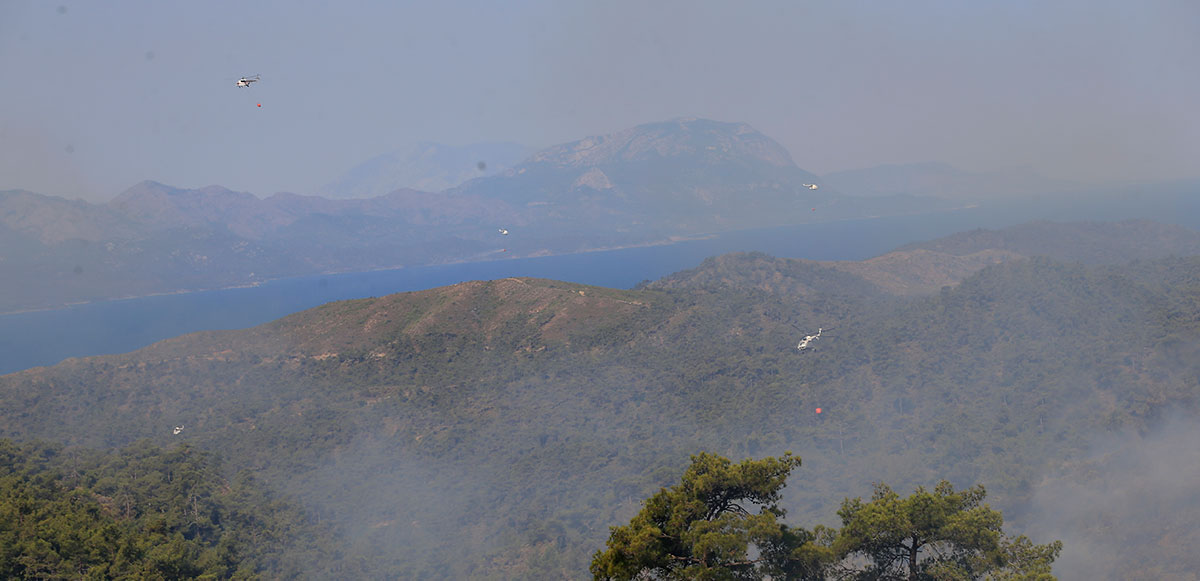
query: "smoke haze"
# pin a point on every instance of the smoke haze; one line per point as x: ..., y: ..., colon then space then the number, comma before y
x: 1133, y: 494
x: 1078, y: 90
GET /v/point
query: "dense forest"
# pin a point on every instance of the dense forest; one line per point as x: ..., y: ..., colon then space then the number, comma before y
x: 146, y: 512
x: 498, y: 429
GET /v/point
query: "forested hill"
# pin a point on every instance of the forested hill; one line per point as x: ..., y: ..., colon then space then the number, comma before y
x: 1089, y: 242
x: 148, y: 513
x: 497, y: 429
x: 776, y: 276
x: 925, y: 267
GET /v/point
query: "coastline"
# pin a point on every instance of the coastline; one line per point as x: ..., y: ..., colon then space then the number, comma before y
x: 258, y: 283
x: 489, y: 257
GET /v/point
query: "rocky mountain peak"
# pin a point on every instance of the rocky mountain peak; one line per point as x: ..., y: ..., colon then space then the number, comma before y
x: 684, y: 137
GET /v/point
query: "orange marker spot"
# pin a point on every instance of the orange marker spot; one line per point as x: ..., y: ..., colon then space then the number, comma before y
x: 260, y: 104
x: 818, y: 410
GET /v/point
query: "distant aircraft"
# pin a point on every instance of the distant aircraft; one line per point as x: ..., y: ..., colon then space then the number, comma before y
x: 178, y: 429
x: 809, y: 339
x: 245, y: 81
x: 810, y: 186
x: 503, y: 232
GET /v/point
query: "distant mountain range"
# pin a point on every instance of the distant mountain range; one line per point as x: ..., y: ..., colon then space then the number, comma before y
x: 154, y: 238
x: 684, y: 176
x: 944, y: 181
x: 496, y: 429
x: 649, y: 184
x: 430, y: 167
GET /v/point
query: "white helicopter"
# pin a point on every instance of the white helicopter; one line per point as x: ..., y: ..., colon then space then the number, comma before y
x: 811, y: 186
x: 245, y: 81
x: 809, y: 339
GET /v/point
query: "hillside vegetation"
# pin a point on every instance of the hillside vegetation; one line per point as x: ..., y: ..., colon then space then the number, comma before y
x: 497, y: 429
x: 147, y: 513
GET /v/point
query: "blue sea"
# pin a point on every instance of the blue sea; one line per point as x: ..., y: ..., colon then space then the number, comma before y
x: 47, y: 337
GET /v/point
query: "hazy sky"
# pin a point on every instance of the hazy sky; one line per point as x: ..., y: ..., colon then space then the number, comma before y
x: 100, y: 95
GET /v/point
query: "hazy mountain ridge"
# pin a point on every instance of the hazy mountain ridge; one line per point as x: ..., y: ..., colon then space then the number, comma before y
x: 156, y: 206
x: 535, y: 413
x: 1091, y: 242
x: 430, y: 167
x: 684, y: 176
x: 705, y: 175
x: 154, y: 238
x: 944, y: 181
x: 683, y: 137
x: 925, y: 267
x: 52, y: 220
x: 648, y: 184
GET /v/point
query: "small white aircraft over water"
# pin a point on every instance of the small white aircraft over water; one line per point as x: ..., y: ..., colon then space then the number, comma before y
x: 178, y: 429
x: 810, y: 186
x: 809, y: 339
x: 245, y: 81
x: 503, y: 232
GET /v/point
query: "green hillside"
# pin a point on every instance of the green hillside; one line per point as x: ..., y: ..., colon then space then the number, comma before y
x: 148, y: 513
x: 497, y: 429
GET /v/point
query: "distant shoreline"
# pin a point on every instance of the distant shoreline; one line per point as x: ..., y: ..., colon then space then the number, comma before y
x: 492, y: 258
x: 258, y: 283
